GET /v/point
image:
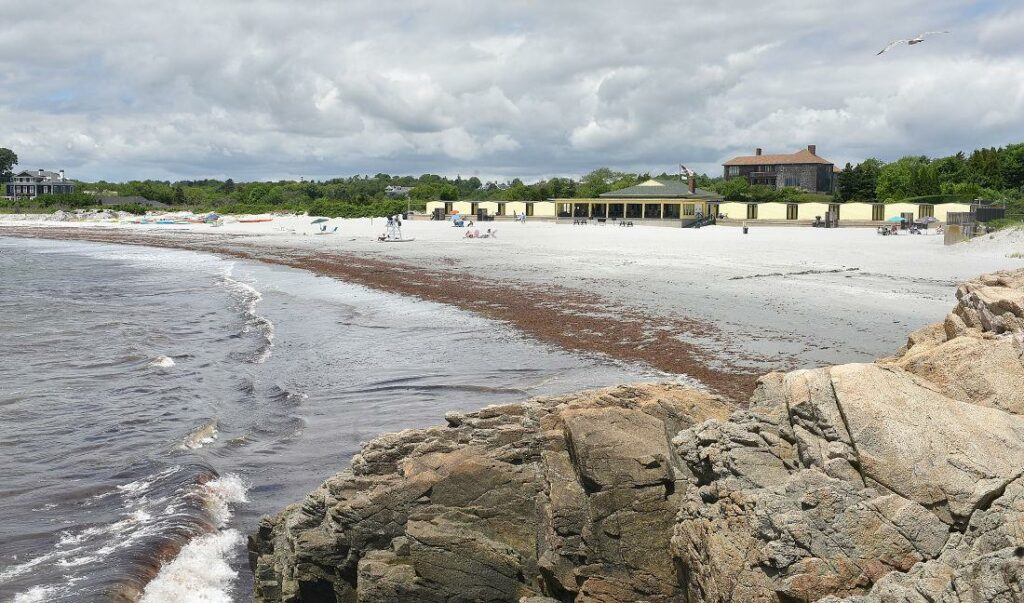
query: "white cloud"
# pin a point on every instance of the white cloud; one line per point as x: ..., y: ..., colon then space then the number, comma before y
x: 270, y: 88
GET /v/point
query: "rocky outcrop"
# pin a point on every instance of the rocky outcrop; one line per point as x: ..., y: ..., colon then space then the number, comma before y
x: 900, y: 480
x: 571, y: 497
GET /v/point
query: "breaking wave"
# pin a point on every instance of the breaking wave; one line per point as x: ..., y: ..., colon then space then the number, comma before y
x: 200, y: 572
x: 249, y: 297
x: 179, y: 510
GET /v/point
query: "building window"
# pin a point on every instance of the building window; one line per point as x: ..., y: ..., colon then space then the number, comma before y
x: 473, y: 208
x: 652, y: 210
x: 564, y: 210
x: 792, y: 181
x: 672, y: 211
x: 792, y: 210
x: 751, y: 211
x: 615, y: 210
x: 600, y: 210
x: 501, y: 209
x: 448, y: 206
x: 878, y: 212
x: 581, y: 210
x: 926, y: 211
x: 529, y: 209
x: 689, y: 209
x: 634, y: 210
x: 734, y: 170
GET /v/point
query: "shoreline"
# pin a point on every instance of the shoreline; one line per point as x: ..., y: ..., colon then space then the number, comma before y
x: 552, y: 314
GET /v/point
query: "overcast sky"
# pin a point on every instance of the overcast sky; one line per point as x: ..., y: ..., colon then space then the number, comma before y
x: 121, y: 89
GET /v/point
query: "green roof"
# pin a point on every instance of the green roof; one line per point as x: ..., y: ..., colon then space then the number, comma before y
x: 660, y: 189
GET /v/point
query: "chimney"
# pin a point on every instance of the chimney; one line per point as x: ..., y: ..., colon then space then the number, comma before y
x: 693, y: 183
x: 40, y: 171
x: 757, y: 151
x: 62, y: 175
x: 813, y: 149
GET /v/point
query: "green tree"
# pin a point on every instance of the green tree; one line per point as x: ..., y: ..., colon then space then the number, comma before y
x: 908, y: 177
x: 734, y: 189
x: 596, y: 182
x: 1011, y: 166
x: 8, y: 159
x: 983, y: 168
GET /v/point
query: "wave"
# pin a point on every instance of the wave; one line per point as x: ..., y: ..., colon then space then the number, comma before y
x: 200, y: 572
x: 178, y: 510
x: 249, y: 297
x: 37, y: 594
x: 206, y: 434
x: 162, y: 362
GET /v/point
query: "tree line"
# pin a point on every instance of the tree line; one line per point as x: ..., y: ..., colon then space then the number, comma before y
x: 995, y: 174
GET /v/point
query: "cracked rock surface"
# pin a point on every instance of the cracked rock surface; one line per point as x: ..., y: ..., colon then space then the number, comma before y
x: 895, y: 481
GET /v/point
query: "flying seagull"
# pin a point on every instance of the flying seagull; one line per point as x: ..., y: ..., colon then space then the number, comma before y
x: 915, y: 40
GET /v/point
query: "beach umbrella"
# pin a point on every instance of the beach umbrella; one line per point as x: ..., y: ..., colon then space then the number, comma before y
x: 319, y: 220
x: 897, y: 219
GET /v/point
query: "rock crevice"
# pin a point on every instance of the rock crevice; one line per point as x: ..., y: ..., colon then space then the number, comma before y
x: 899, y: 480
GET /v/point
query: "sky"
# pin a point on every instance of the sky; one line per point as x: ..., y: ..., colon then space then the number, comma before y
x: 267, y: 90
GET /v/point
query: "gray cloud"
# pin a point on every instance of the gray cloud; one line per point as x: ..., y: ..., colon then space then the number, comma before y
x: 271, y: 89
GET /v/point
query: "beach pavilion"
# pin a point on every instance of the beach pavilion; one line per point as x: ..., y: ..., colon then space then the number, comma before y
x: 654, y: 200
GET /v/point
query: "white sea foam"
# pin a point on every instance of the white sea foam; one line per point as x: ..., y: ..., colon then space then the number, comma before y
x: 221, y: 493
x: 162, y: 362
x: 250, y: 297
x: 36, y: 594
x: 17, y: 570
x: 199, y: 573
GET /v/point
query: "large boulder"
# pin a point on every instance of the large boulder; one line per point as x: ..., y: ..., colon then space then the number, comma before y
x: 977, y: 353
x: 573, y: 497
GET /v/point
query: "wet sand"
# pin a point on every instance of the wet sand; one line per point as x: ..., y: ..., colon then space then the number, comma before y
x: 712, y: 304
x: 557, y: 315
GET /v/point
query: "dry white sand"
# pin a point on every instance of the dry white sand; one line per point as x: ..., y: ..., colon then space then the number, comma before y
x: 781, y: 296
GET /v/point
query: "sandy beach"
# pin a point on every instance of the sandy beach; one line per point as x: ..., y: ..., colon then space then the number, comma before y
x: 713, y: 304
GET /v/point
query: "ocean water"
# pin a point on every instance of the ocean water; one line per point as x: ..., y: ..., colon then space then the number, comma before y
x: 155, y: 403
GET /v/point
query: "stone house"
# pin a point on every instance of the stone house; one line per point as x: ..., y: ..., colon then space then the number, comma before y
x: 804, y: 170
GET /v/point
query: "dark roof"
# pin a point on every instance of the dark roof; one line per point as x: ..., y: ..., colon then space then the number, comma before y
x: 801, y: 157
x: 37, y: 174
x: 659, y: 189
